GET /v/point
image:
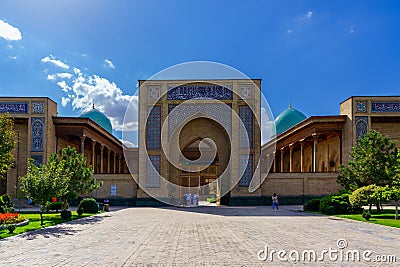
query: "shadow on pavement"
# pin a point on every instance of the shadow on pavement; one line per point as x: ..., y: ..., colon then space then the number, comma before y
x: 54, y: 231
x: 62, y: 229
x: 244, y: 211
x: 88, y: 220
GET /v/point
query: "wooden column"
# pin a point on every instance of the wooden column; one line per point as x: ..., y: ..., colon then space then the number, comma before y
x: 274, y: 155
x: 282, y: 159
x: 302, y: 155
x: 108, y: 159
x: 119, y: 164
x: 83, y: 137
x: 101, y: 158
x: 93, y: 156
x: 315, y: 153
x: 291, y: 158
x: 114, y: 162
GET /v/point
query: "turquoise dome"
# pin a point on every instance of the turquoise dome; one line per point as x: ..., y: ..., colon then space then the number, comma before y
x: 98, y: 118
x: 287, y: 119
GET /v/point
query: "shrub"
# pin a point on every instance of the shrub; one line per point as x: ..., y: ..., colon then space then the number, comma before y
x: 366, y: 215
x: 80, y: 211
x: 330, y: 210
x: 312, y: 205
x: 357, y: 210
x: 211, y: 200
x: 54, y: 206
x: 89, y: 205
x: 6, y: 206
x: 11, y: 228
x: 66, y: 214
x: 364, y: 196
x: 339, y: 201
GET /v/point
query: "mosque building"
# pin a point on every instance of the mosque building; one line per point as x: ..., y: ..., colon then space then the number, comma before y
x: 302, y: 161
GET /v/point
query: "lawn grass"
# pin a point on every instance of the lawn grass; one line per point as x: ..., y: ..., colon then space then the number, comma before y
x: 385, y: 217
x: 34, y: 222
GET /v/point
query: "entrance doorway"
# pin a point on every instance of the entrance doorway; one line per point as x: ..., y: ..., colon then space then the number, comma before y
x: 200, y: 177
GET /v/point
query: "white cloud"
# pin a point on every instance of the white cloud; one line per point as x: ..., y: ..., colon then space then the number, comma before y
x: 51, y: 77
x: 53, y: 60
x: 65, y: 101
x: 306, y: 16
x: 289, y: 31
x: 10, y: 46
x: 63, y: 85
x: 128, y: 143
x: 106, y: 95
x: 109, y: 64
x: 83, y: 90
x: 267, y: 127
x: 9, y: 32
x: 77, y: 71
x: 12, y: 57
x: 352, y: 29
x: 64, y: 75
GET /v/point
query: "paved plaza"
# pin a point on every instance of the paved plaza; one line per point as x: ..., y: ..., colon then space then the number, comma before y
x: 202, y: 236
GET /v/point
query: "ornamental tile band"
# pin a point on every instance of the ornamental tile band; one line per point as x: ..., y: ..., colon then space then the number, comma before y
x: 361, y: 126
x: 37, y: 160
x: 186, y: 92
x: 385, y: 107
x: 246, y: 115
x: 246, y: 92
x: 14, y: 107
x: 153, y: 129
x: 38, y: 107
x: 153, y: 92
x: 361, y: 106
x: 37, y: 134
x: 153, y: 164
x: 215, y: 111
x: 245, y: 163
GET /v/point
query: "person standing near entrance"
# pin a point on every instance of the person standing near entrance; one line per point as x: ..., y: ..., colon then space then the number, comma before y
x: 275, y: 201
x: 188, y: 199
x: 195, y: 199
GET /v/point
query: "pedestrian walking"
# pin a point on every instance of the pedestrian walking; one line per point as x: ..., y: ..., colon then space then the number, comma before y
x: 275, y: 202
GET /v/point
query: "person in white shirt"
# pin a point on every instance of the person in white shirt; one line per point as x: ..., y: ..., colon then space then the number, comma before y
x: 188, y: 199
x: 195, y: 200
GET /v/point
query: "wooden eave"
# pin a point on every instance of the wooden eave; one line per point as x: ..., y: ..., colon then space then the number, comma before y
x: 314, y: 125
x: 87, y: 127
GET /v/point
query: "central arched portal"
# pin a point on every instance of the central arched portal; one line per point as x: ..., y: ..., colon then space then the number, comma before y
x: 200, y: 177
x: 196, y: 176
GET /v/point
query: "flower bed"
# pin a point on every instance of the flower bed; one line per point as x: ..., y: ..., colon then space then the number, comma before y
x: 7, y: 218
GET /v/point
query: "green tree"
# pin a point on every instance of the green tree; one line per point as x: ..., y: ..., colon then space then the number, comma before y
x: 7, y: 143
x: 366, y: 195
x: 389, y: 193
x: 43, y: 183
x: 80, y: 176
x: 373, y: 161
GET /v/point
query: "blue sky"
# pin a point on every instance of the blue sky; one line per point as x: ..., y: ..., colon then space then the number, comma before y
x: 312, y: 52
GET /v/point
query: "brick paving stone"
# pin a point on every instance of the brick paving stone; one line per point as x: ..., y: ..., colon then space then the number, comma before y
x: 203, y: 236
